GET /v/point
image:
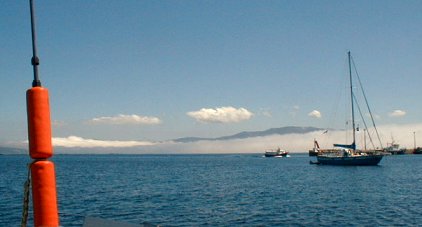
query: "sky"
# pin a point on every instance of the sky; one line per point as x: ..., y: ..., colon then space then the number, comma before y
x: 134, y: 74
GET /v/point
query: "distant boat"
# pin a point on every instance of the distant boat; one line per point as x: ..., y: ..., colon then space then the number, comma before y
x: 317, y: 150
x: 395, y: 149
x: 276, y: 153
x: 348, y: 155
x: 314, y: 151
x: 417, y: 150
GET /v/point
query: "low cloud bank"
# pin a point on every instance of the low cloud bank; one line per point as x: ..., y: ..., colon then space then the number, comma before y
x: 299, y: 143
x: 295, y: 143
x: 75, y: 141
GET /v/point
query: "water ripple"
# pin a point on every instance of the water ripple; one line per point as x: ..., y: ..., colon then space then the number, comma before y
x: 223, y: 190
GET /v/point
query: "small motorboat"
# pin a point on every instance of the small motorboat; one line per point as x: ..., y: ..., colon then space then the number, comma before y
x: 276, y: 153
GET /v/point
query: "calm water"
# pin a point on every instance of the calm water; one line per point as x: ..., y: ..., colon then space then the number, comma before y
x: 223, y: 190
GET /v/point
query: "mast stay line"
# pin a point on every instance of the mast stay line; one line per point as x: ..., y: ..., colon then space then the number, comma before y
x: 366, y: 102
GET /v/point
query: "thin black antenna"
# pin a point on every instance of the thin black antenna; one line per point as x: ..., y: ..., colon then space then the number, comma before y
x: 35, y: 60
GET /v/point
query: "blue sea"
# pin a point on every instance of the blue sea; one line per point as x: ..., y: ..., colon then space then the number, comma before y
x: 223, y: 190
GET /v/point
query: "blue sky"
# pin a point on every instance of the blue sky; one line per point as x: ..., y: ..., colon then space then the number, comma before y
x: 156, y: 70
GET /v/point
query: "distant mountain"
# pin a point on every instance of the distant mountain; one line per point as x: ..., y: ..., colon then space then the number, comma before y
x: 244, y: 135
x: 11, y: 150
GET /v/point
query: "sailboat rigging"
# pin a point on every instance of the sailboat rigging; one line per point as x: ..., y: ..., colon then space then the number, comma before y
x: 349, y: 155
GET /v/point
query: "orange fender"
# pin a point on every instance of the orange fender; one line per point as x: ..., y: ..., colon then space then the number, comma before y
x: 44, y: 194
x: 39, y: 124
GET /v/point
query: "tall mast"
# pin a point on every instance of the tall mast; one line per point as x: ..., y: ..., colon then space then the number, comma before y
x: 351, y: 98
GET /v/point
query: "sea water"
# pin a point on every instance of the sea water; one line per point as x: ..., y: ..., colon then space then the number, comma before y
x: 223, y: 190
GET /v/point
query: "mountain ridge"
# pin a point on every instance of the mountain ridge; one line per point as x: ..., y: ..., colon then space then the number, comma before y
x: 249, y: 134
x: 12, y: 150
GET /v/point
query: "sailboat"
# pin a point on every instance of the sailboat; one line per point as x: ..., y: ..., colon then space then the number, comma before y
x: 348, y: 154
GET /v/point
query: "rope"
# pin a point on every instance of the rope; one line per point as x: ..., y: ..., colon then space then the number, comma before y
x: 25, y: 207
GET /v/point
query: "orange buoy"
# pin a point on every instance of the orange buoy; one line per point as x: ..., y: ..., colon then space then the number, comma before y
x: 44, y: 195
x: 39, y: 124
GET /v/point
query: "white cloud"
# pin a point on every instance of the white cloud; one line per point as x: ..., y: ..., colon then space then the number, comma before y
x: 397, y: 113
x: 75, y: 141
x: 126, y: 119
x: 315, y: 114
x: 221, y: 115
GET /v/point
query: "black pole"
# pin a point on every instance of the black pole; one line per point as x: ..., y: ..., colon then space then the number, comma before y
x: 35, y: 60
